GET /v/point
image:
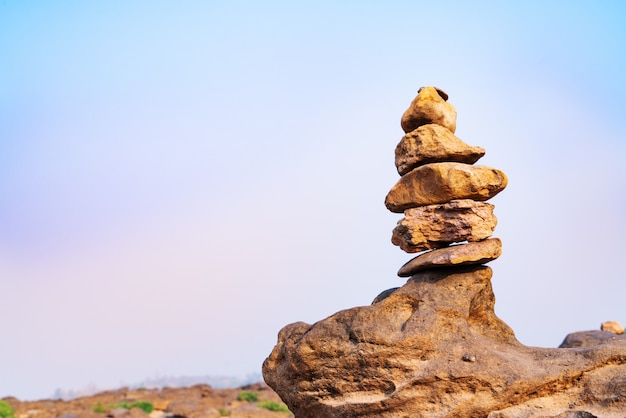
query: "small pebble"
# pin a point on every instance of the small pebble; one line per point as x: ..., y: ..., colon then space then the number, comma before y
x: 469, y: 358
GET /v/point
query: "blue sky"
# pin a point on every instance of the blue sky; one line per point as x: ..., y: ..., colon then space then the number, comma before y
x: 178, y: 181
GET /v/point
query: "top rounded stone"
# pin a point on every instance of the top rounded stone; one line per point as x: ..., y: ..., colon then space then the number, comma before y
x: 430, y: 106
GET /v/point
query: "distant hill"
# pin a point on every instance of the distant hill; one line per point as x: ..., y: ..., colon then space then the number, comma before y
x: 250, y: 401
x: 158, y: 382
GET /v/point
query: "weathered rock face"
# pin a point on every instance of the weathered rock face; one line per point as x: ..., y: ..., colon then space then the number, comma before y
x: 436, y: 226
x: 443, y: 182
x: 434, y: 347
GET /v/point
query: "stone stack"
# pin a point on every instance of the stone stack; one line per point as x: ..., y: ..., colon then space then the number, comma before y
x: 434, y: 347
x: 441, y: 193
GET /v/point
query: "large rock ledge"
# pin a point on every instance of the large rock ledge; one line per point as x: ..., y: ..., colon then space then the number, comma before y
x: 435, y: 348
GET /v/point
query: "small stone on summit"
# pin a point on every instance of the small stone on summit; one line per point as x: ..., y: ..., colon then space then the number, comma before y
x: 430, y: 106
x: 433, y: 143
x: 612, y: 326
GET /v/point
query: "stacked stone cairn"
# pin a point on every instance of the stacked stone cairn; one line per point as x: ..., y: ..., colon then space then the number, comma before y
x: 434, y: 347
x: 441, y: 193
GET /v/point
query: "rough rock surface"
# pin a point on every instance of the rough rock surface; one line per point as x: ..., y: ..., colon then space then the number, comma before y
x: 436, y: 226
x: 433, y: 143
x: 430, y: 106
x: 442, y: 182
x: 435, y: 348
x: 472, y: 253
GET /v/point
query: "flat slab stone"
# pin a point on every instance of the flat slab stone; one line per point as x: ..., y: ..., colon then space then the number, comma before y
x: 436, y: 226
x: 442, y: 182
x: 430, y: 106
x: 464, y: 254
x: 433, y: 143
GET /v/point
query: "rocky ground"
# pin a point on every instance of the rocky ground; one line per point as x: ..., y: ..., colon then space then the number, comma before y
x: 199, y: 401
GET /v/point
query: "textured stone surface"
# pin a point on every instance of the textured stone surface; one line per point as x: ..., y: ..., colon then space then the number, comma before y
x: 472, y: 253
x: 433, y: 143
x: 435, y: 348
x: 429, y: 106
x: 436, y: 226
x: 442, y: 182
x: 589, y: 338
x: 612, y: 326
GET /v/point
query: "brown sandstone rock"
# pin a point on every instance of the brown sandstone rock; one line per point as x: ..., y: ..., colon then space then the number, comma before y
x: 612, y: 326
x: 472, y: 253
x: 435, y: 348
x: 433, y: 143
x: 436, y: 226
x: 430, y: 106
x: 442, y: 182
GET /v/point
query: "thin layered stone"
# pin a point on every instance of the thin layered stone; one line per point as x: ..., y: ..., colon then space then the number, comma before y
x: 471, y: 253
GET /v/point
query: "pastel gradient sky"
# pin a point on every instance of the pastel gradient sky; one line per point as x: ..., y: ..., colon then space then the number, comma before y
x: 179, y: 180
